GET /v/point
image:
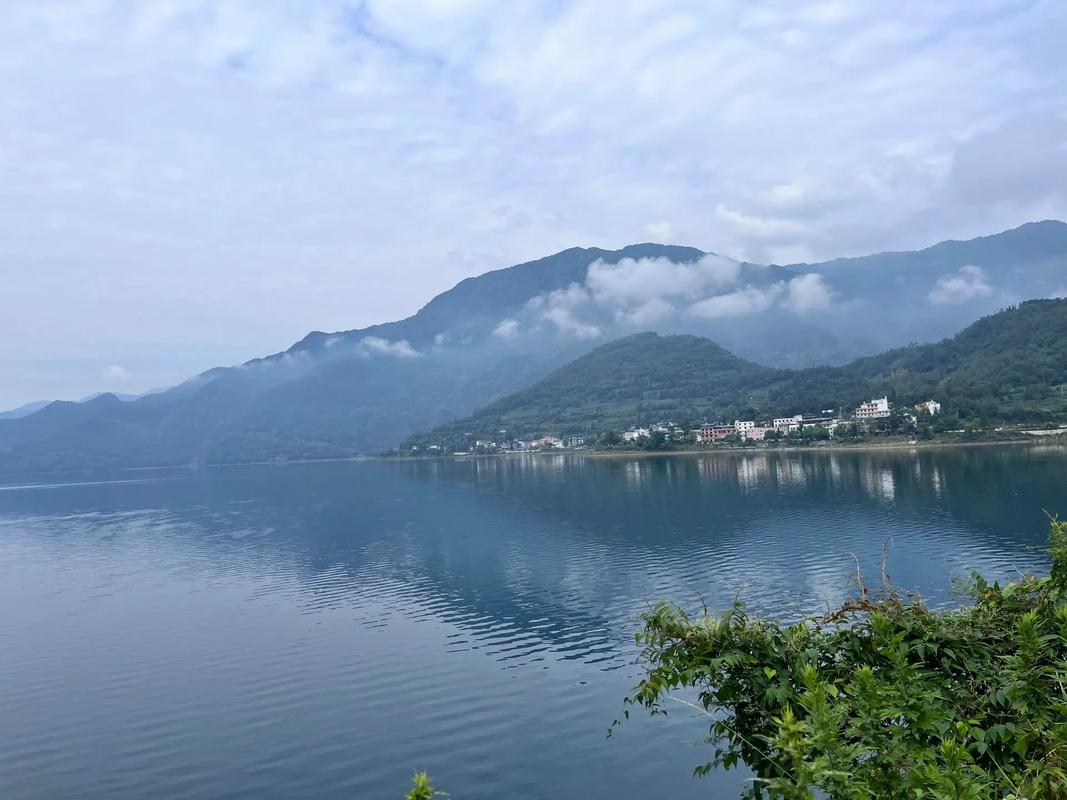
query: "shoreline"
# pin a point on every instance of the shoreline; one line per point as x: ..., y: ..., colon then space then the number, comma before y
x: 1060, y: 440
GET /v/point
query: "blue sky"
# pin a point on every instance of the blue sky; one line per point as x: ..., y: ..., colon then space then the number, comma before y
x: 186, y: 183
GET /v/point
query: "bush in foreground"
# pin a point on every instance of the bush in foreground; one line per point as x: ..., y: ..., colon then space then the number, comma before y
x: 883, y: 698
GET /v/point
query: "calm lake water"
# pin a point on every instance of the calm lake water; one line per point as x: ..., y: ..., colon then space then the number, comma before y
x: 321, y: 631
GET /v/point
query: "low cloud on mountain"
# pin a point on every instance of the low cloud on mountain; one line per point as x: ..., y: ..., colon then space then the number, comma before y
x: 375, y: 345
x: 968, y: 283
x: 637, y: 293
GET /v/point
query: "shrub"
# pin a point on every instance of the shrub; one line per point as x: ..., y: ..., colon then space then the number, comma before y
x: 883, y: 698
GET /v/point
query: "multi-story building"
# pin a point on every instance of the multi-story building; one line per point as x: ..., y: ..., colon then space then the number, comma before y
x: 741, y: 426
x: 714, y: 433
x: 874, y: 409
x: 756, y: 433
x: 787, y: 424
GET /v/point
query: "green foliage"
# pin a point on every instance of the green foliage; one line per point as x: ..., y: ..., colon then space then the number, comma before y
x: 1008, y: 367
x: 422, y: 789
x: 884, y: 698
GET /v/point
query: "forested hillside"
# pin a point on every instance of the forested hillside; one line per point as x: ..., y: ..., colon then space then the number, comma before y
x: 1010, y: 366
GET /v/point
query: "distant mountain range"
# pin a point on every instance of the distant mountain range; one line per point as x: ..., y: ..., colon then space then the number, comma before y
x: 1006, y: 367
x: 362, y: 391
x: 31, y: 408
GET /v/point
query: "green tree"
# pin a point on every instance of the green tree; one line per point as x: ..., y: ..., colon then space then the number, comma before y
x: 883, y: 698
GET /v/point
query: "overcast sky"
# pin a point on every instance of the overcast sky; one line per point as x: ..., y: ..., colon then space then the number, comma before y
x: 187, y: 183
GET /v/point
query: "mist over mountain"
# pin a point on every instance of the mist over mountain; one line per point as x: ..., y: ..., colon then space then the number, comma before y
x: 344, y: 393
x: 1006, y: 367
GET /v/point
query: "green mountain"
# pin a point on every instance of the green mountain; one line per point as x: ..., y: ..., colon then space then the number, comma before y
x: 1010, y: 366
x: 359, y: 391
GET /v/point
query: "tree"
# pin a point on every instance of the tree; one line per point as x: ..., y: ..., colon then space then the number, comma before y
x: 883, y: 698
x: 656, y: 440
x: 610, y: 439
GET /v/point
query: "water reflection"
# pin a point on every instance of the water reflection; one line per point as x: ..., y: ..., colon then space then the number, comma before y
x: 215, y: 612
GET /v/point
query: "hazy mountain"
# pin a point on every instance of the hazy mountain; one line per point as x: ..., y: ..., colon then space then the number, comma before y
x: 1008, y: 366
x: 344, y: 393
x: 31, y: 408
x: 24, y: 410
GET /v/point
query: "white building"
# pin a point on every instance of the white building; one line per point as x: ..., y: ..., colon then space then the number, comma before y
x: 874, y: 409
x: 743, y: 426
x: 546, y: 442
x: 634, y: 434
x: 787, y: 424
x: 930, y: 407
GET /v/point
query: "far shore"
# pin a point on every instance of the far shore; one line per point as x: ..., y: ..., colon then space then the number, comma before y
x: 864, y: 446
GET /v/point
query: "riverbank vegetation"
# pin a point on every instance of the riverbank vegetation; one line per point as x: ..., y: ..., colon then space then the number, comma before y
x: 882, y: 698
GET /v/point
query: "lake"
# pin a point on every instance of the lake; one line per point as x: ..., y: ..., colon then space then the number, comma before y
x: 323, y: 630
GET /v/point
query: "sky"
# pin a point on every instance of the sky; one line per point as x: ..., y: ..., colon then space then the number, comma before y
x: 192, y: 183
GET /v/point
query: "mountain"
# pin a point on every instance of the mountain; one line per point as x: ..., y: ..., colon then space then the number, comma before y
x: 1008, y: 366
x: 24, y: 410
x: 32, y: 408
x: 358, y: 391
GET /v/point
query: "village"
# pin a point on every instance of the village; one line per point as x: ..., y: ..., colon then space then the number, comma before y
x: 866, y: 419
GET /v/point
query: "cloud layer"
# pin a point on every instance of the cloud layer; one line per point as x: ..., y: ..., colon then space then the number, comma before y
x: 194, y: 183
x: 639, y: 293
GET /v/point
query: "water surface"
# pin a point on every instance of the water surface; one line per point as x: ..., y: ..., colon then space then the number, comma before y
x: 322, y: 630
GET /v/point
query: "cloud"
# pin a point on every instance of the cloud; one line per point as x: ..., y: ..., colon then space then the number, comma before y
x: 760, y: 228
x: 164, y: 132
x: 639, y: 280
x: 116, y: 373
x: 1019, y: 163
x: 1059, y: 294
x: 661, y: 232
x: 560, y: 308
x: 968, y: 283
x: 375, y: 345
x: 638, y: 293
x: 808, y: 293
x: 507, y: 329
x: 566, y: 322
x: 647, y: 313
x: 750, y: 300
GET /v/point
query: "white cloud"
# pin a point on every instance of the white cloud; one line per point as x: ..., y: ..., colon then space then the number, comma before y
x: 638, y: 280
x: 375, y: 345
x: 647, y: 313
x: 968, y: 283
x: 116, y: 373
x: 507, y: 329
x: 566, y: 322
x: 569, y: 297
x: 638, y: 293
x: 750, y: 300
x: 808, y: 293
x: 1059, y: 294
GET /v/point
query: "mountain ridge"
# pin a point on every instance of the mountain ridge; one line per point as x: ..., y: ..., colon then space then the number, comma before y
x: 1003, y: 367
x: 345, y: 393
